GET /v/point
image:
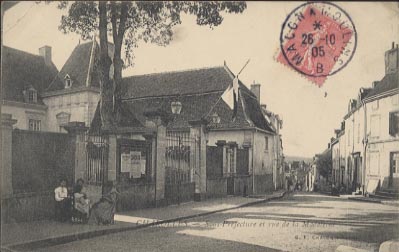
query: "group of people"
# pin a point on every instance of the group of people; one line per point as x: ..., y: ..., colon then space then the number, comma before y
x: 101, y: 212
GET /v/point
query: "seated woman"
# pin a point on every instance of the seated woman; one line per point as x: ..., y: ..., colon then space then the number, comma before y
x: 82, y: 204
x: 103, y: 211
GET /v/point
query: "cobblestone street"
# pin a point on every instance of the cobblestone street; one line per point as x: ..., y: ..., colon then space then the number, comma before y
x: 298, y: 222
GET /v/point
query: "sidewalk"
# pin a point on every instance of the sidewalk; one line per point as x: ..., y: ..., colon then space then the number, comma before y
x: 30, y: 235
x: 362, y: 198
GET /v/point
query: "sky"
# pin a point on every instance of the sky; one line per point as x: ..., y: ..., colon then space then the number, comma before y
x: 309, y: 116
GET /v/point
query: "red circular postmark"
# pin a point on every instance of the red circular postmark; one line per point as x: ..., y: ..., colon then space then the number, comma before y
x: 317, y: 39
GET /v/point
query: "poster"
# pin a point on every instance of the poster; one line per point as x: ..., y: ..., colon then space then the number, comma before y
x: 135, y: 166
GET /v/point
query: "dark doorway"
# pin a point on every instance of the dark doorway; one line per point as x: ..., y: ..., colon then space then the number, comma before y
x: 393, y: 167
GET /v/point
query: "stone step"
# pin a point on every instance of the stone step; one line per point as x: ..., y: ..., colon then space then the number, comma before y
x: 377, y: 196
x: 388, y: 194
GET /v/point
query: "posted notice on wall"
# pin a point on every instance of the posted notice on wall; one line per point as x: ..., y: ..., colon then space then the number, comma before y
x: 133, y: 163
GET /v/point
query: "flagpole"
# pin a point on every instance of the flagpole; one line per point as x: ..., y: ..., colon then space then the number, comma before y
x: 243, y: 67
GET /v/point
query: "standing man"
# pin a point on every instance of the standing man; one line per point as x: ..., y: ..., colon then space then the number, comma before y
x: 62, y: 202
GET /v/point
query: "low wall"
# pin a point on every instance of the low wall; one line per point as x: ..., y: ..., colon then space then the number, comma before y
x: 175, y: 193
x: 263, y: 183
x: 27, y: 207
x: 243, y: 185
x: 135, y: 196
x: 216, y: 187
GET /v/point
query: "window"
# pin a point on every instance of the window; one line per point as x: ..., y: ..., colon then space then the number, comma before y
x: 266, y: 143
x: 32, y: 96
x: 68, y: 81
x: 375, y: 126
x: 34, y: 124
x: 394, y: 123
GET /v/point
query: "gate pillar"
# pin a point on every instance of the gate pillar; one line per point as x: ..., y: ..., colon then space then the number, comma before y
x: 6, y: 153
x: 78, y: 132
x: 157, y: 120
x: 197, y: 131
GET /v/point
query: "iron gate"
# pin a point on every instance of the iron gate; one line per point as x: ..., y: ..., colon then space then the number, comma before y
x: 182, y: 160
x: 97, y: 148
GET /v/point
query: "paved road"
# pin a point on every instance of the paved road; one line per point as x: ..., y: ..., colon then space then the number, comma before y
x: 299, y: 222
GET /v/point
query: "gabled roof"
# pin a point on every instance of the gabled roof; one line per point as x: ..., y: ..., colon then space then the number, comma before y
x: 199, y: 92
x: 127, y: 119
x: 81, y: 67
x: 22, y: 70
x: 388, y: 83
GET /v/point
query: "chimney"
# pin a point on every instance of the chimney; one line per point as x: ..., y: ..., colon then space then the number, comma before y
x: 375, y: 83
x: 337, y: 131
x: 263, y: 106
x: 255, y: 88
x: 392, y: 59
x: 45, y: 52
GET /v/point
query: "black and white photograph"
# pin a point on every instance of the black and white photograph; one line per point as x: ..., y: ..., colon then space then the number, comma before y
x: 199, y: 126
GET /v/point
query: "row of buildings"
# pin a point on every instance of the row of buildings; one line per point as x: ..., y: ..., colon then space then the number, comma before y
x: 41, y: 98
x: 365, y: 149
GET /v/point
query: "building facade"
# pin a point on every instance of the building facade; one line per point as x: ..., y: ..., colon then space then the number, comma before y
x: 367, y: 143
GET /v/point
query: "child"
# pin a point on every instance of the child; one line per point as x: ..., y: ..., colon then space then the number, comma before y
x: 62, y: 202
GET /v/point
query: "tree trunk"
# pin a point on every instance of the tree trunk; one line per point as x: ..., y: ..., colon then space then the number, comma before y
x: 105, y: 64
x: 118, y: 34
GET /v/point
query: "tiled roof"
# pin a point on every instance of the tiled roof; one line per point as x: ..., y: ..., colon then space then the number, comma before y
x: 199, y: 92
x: 21, y: 70
x: 389, y: 82
x: 177, y: 83
x: 78, y: 66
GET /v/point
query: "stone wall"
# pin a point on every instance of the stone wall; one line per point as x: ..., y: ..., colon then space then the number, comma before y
x: 216, y: 187
x: 40, y: 160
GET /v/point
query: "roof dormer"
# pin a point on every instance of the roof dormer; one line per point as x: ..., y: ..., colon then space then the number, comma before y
x: 30, y: 95
x: 67, y: 81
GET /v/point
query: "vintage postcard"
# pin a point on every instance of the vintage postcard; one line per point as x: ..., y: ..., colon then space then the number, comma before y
x: 199, y: 126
